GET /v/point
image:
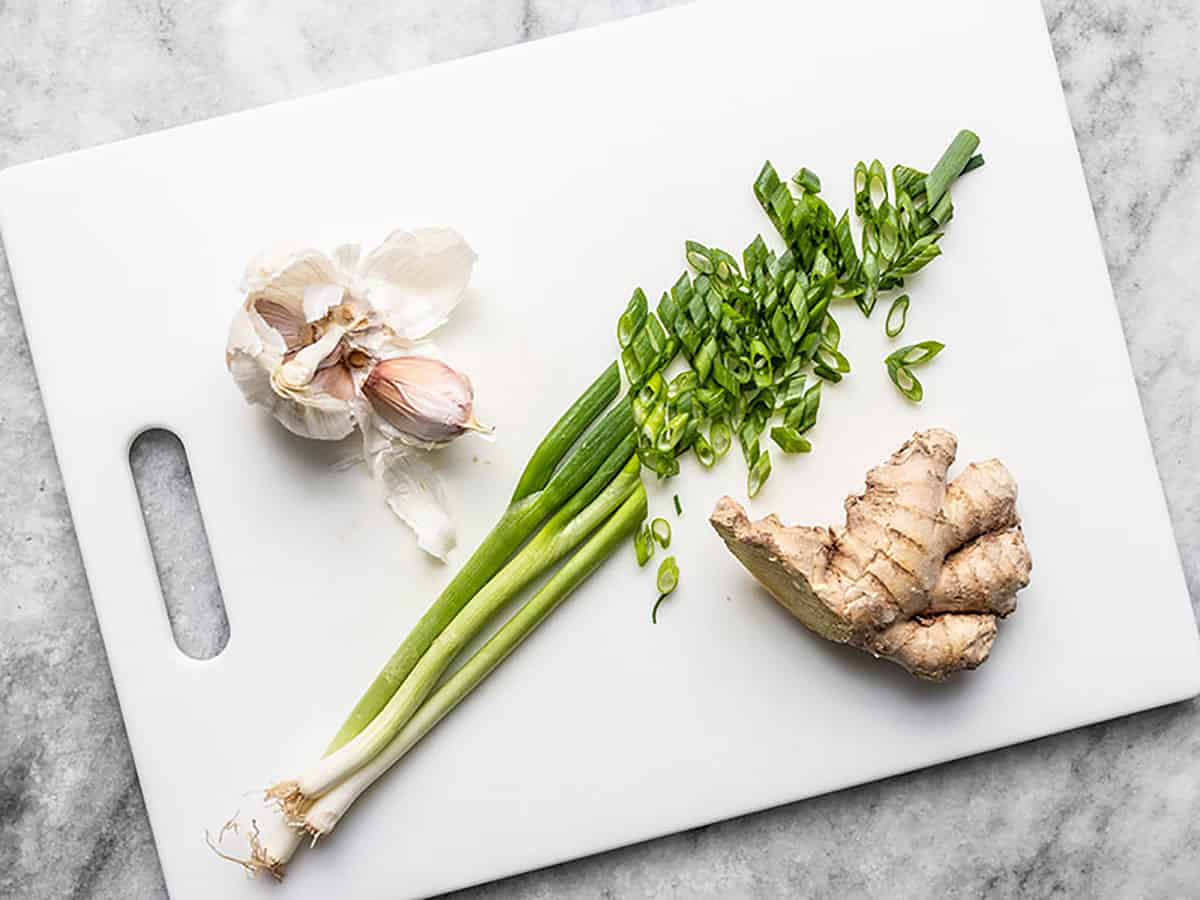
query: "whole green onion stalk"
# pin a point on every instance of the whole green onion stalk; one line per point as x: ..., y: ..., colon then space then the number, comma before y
x: 610, y: 486
x: 328, y: 810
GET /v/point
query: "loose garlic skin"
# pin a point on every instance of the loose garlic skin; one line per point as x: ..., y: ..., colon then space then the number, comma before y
x: 313, y: 328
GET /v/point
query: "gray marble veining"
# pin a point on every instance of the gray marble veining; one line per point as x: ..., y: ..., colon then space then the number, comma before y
x: 1111, y: 810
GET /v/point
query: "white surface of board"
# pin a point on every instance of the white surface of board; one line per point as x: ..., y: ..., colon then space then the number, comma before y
x: 576, y: 167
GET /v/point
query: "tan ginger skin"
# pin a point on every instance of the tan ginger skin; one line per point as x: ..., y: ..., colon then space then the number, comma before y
x: 920, y: 574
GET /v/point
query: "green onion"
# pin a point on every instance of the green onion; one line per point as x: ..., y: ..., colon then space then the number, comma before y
x: 664, y: 465
x: 660, y: 529
x: 973, y: 163
x: 329, y: 809
x: 720, y: 437
x: 643, y: 545
x: 704, y: 451
x: 790, y: 440
x: 917, y: 354
x: 760, y: 471
x: 632, y: 319
x: 666, y: 582
x: 906, y: 382
x: 566, y: 432
x: 897, y: 316
x: 899, y: 367
x: 678, y: 507
x: 952, y: 164
x: 807, y: 180
x: 567, y: 529
x: 671, y: 433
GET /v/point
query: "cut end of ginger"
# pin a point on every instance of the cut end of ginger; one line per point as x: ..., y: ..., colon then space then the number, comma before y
x: 920, y: 574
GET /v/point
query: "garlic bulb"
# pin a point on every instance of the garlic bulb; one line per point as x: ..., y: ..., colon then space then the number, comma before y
x: 333, y: 343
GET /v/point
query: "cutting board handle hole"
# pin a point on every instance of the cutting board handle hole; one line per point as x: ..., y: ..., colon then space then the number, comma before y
x: 179, y: 543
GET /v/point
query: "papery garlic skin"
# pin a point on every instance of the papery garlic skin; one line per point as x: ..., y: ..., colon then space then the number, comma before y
x: 313, y: 327
x: 421, y: 401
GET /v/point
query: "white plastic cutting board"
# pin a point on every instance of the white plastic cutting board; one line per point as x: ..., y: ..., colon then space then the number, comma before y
x: 576, y: 167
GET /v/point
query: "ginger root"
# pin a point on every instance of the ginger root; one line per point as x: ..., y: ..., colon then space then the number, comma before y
x: 922, y: 570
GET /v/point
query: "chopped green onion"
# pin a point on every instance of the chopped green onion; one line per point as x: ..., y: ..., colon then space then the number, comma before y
x: 698, y: 257
x: 807, y: 180
x: 643, y: 545
x: 823, y: 371
x: 832, y: 359
x: 950, y: 166
x: 790, y: 440
x: 683, y: 383
x: 660, y: 529
x: 972, y: 164
x: 666, y: 582
x: 917, y: 354
x: 760, y: 471
x: 897, y: 316
x: 720, y: 437
x: 905, y: 381
x: 678, y: 507
x: 899, y: 367
x: 704, y: 451
x: 632, y: 319
x: 664, y: 465
x: 671, y: 433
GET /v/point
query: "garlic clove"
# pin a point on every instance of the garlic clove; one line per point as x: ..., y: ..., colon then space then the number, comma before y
x: 415, y: 279
x: 335, y: 380
x: 285, y: 321
x: 421, y: 401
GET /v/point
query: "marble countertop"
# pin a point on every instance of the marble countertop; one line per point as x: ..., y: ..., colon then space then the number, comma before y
x: 1111, y: 810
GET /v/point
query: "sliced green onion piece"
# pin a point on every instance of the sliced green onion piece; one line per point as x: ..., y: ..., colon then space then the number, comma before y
x: 664, y: 465
x: 654, y: 423
x: 720, y: 437
x: 643, y: 545
x: 897, y: 316
x: 823, y: 371
x: 666, y: 582
x: 698, y: 257
x: 660, y: 530
x: 704, y: 451
x: 807, y: 180
x: 972, y: 164
x: 831, y: 334
x: 790, y: 440
x: 760, y: 471
x: 651, y: 392
x: 632, y: 319
x: 832, y: 358
x: 950, y: 166
x: 916, y: 354
x: 905, y: 381
x: 678, y: 507
x: 671, y: 433
x: 683, y: 383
